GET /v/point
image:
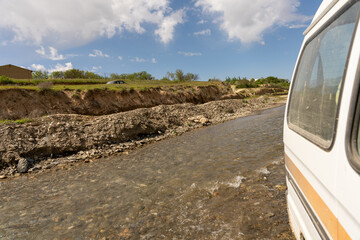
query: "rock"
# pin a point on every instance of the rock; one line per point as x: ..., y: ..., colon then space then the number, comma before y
x: 2, y: 176
x: 203, y: 120
x: 23, y: 165
x: 10, y: 157
x: 270, y: 215
x: 281, y: 187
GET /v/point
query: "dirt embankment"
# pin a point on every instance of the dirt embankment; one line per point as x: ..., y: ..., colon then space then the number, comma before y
x: 22, y: 103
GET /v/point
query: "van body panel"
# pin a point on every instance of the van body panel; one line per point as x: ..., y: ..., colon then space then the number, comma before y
x: 348, y: 183
x: 323, y: 187
x: 327, y: 9
x: 296, y: 211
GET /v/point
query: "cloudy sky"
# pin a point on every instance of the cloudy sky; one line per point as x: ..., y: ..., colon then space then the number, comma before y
x: 214, y: 38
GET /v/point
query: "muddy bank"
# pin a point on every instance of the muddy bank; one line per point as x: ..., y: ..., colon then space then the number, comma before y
x: 49, y: 141
x: 22, y: 103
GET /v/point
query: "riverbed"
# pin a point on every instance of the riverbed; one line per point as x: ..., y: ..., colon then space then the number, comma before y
x: 225, y: 181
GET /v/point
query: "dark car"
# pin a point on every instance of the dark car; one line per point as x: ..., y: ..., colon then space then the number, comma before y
x: 116, y: 82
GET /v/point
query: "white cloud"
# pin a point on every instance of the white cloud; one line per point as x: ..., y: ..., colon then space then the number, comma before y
x: 247, y: 20
x: 142, y: 60
x: 96, y: 68
x: 189, y: 54
x: 120, y: 58
x: 58, y: 67
x: 77, y: 22
x: 167, y: 27
x: 202, y: 22
x: 52, y: 54
x: 38, y: 67
x: 98, y: 53
x: 298, y: 26
x: 203, y: 32
x: 137, y: 59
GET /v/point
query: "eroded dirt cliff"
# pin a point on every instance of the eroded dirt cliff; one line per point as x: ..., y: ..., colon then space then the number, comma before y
x: 22, y: 103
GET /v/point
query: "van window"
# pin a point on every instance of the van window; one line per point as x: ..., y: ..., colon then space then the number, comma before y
x: 315, y: 92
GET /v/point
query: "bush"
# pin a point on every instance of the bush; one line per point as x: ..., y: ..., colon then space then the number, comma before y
x: 214, y: 79
x: 5, y: 80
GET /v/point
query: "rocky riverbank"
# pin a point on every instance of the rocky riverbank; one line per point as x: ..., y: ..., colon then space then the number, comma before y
x: 61, y: 139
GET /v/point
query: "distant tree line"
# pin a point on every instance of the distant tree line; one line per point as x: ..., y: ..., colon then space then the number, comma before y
x: 180, y: 76
x: 68, y: 74
x: 254, y: 83
x: 177, y: 76
x: 136, y: 75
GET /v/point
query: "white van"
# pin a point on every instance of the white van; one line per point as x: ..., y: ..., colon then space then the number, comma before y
x: 321, y: 127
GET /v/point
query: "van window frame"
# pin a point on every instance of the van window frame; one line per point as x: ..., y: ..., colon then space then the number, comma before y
x: 294, y: 128
x: 352, y: 129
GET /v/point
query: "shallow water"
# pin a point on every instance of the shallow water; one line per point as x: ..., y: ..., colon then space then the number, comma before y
x: 162, y: 191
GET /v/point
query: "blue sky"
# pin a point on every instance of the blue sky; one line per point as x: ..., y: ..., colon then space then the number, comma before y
x: 213, y: 38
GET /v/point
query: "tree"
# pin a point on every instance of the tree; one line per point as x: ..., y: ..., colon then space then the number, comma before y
x: 74, y: 73
x: 58, y: 75
x: 40, y: 75
x: 91, y: 75
x: 181, y: 77
x: 170, y: 76
x: 191, y: 77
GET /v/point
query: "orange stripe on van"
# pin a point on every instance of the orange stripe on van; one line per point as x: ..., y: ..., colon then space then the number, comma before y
x: 326, y: 216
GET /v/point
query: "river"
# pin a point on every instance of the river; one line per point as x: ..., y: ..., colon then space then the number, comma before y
x: 221, y: 182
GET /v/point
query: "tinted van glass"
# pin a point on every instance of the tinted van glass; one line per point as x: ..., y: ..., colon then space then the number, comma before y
x: 315, y: 93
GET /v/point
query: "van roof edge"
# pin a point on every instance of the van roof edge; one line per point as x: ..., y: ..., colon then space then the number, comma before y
x: 315, y: 21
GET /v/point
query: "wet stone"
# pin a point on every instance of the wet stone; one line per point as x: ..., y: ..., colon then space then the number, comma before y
x: 23, y: 165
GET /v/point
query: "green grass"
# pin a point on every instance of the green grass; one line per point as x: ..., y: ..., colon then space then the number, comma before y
x: 18, y: 121
x: 83, y: 84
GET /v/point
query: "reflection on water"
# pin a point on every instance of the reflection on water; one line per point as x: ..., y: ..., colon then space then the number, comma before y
x: 165, y: 190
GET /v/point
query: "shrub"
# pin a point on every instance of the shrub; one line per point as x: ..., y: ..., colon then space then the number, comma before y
x: 214, y: 79
x: 5, y: 80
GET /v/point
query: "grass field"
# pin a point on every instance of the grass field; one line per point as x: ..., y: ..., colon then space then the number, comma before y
x: 83, y: 84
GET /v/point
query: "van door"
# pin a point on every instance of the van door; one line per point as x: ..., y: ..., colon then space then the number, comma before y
x: 310, y: 130
x: 348, y: 177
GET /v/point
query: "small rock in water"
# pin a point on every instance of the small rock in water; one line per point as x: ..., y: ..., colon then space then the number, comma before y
x: 204, y: 120
x: 23, y: 165
x: 281, y: 187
